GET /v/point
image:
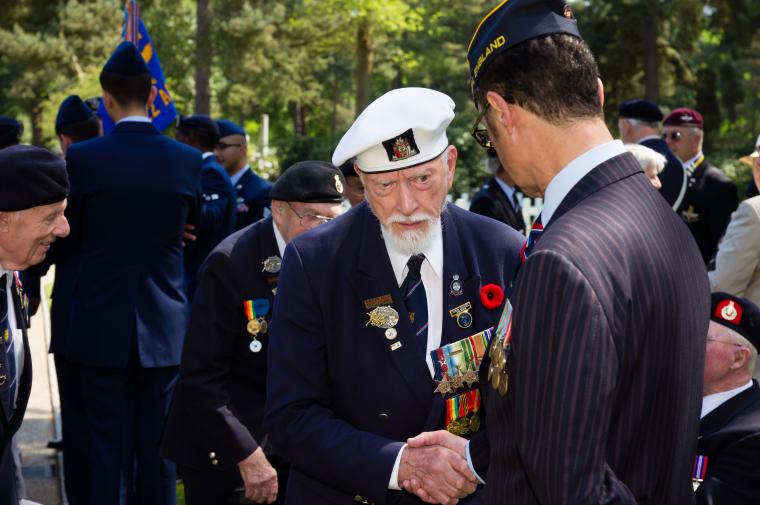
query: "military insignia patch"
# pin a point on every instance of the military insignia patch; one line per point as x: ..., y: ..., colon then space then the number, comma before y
x: 729, y: 311
x: 338, y: 184
x: 271, y: 265
x: 402, y: 147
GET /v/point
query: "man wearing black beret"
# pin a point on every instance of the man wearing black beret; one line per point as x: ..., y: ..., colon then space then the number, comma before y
x: 218, y: 209
x: 75, y: 122
x: 639, y: 123
x: 214, y: 430
x: 33, y: 191
x: 727, y: 467
x: 10, y: 131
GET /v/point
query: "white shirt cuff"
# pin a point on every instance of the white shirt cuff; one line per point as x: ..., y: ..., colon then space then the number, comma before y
x: 469, y: 464
x: 393, y: 484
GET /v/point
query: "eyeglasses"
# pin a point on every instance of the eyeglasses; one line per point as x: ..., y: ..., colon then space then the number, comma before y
x: 674, y: 136
x: 481, y: 135
x: 222, y: 146
x: 310, y: 220
x: 724, y: 342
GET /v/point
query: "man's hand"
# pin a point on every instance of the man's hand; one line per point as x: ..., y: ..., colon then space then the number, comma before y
x: 442, y: 438
x: 259, y: 477
x: 436, y: 474
x: 188, y: 235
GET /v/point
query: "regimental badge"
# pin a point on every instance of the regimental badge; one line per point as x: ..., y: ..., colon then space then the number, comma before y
x: 384, y: 316
x: 338, y: 184
x: 729, y: 311
x: 272, y: 265
x: 462, y: 315
x: 456, y: 286
x: 402, y: 147
x: 689, y: 215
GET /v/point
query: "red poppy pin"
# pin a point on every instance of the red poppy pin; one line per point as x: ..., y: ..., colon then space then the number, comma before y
x: 491, y: 296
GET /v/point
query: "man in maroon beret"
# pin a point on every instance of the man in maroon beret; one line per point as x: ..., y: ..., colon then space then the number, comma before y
x: 710, y: 194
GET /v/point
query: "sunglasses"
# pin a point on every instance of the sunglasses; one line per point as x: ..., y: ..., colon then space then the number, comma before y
x: 481, y: 134
x: 674, y: 136
x: 222, y: 146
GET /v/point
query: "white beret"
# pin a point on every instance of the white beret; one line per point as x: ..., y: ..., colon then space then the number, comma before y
x: 403, y: 128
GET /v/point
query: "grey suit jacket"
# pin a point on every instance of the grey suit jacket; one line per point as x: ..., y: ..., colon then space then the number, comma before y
x: 737, y: 265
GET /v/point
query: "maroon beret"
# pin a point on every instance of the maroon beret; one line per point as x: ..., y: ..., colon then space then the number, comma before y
x: 738, y: 314
x: 684, y: 117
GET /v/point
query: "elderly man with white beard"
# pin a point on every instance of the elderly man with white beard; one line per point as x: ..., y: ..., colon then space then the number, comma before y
x: 382, y: 318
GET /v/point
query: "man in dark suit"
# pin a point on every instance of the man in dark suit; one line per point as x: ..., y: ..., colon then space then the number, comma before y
x: 33, y: 190
x: 217, y: 219
x: 639, y: 123
x: 710, y: 194
x: 214, y: 430
x: 367, y: 301
x: 497, y: 198
x: 132, y: 193
x: 599, y: 373
x: 252, y: 191
x: 727, y: 466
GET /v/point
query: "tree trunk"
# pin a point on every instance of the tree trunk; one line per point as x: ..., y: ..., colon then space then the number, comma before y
x: 36, y: 120
x: 204, y: 14
x: 299, y: 118
x: 364, y: 63
x: 651, y: 51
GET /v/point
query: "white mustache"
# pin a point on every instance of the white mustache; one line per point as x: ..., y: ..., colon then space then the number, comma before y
x: 414, y: 218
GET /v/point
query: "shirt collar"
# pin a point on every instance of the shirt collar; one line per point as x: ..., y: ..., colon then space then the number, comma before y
x: 279, y: 238
x: 712, y: 402
x: 239, y: 174
x: 9, y: 278
x: 433, y: 256
x: 136, y: 119
x: 576, y: 170
x: 507, y: 189
x: 648, y: 137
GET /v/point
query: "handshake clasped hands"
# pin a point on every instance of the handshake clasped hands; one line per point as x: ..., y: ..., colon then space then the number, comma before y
x: 434, y: 467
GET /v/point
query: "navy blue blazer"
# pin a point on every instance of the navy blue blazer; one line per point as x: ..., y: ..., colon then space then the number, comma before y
x: 341, y: 402
x: 217, y: 219
x: 607, y: 354
x: 730, y: 438
x: 673, y: 175
x: 132, y: 191
x: 252, y: 199
x: 491, y: 201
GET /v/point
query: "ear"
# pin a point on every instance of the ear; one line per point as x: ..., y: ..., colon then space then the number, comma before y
x: 453, y: 154
x: 108, y: 102
x: 153, y: 95
x: 502, y: 112
x: 740, y: 359
x: 600, y: 91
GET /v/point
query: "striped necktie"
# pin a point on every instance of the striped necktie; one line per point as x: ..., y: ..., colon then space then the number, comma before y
x: 415, y: 299
x: 535, y: 233
x: 7, y: 336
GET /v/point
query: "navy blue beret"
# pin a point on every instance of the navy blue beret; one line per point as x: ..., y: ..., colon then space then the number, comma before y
x: 198, y: 122
x: 10, y: 131
x: 227, y: 127
x: 515, y: 21
x: 126, y: 61
x: 640, y: 109
x: 309, y: 181
x: 72, y: 110
x: 738, y: 314
x: 29, y: 177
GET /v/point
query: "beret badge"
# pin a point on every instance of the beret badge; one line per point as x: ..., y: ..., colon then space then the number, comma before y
x: 338, y: 184
x: 729, y: 311
x: 402, y: 147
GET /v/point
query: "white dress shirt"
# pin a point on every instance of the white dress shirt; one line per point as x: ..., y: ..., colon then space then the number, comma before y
x: 576, y: 170
x: 18, y: 335
x: 432, y: 278
x: 135, y: 119
x: 712, y: 402
x: 279, y: 238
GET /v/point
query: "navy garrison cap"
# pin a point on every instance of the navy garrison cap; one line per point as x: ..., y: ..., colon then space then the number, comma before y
x: 126, y: 61
x: 72, y: 110
x: 640, y: 109
x: 515, y: 21
x: 738, y: 314
x: 10, y: 131
x: 311, y: 182
x: 227, y: 127
x: 29, y: 177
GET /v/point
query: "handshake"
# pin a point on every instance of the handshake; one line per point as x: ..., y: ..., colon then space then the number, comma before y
x: 434, y: 467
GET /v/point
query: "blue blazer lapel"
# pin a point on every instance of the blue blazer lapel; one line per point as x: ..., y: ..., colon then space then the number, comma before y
x: 722, y: 415
x: 375, y: 278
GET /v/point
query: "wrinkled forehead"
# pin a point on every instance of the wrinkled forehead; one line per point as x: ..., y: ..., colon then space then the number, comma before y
x: 428, y: 168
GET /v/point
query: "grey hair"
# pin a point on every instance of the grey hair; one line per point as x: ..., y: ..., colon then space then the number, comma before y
x: 640, y: 122
x: 647, y: 157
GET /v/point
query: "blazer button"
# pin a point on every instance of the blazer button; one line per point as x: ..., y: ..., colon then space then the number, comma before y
x: 383, y: 417
x: 212, y: 455
x: 214, y: 462
x: 358, y: 499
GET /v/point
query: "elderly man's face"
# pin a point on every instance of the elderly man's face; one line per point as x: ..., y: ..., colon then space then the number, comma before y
x: 409, y: 202
x: 354, y: 190
x: 683, y: 141
x: 720, y: 355
x: 295, y: 218
x: 26, y: 236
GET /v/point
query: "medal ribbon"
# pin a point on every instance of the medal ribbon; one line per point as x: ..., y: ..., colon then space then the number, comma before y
x: 255, y: 309
x: 462, y: 405
x: 699, y: 471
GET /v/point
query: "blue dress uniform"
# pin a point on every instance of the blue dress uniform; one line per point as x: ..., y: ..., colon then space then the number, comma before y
x: 133, y: 191
x: 253, y: 201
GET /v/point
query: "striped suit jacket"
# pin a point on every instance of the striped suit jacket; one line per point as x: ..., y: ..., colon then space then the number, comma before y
x: 610, y: 320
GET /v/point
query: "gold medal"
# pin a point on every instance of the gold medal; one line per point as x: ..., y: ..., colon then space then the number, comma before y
x: 253, y: 327
x: 456, y: 382
x: 384, y: 316
x: 454, y: 427
x: 495, y: 380
x: 443, y: 386
x: 470, y: 377
x: 474, y: 422
x: 263, y: 326
x: 503, y: 383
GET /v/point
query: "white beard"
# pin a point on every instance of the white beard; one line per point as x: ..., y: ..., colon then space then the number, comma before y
x: 410, y: 242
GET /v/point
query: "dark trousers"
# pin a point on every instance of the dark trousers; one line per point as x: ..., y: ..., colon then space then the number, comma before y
x: 76, y: 451
x: 226, y: 487
x: 124, y: 417
x: 8, y: 492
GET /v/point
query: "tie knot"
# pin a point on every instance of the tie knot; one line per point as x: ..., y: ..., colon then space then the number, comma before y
x: 414, y: 264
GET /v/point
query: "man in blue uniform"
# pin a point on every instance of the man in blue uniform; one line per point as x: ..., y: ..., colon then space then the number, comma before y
x: 33, y: 190
x: 252, y: 191
x: 382, y: 317
x: 217, y: 219
x: 132, y: 193
x: 497, y: 198
x: 214, y: 430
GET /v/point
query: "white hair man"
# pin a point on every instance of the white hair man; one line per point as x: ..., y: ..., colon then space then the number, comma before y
x: 651, y: 162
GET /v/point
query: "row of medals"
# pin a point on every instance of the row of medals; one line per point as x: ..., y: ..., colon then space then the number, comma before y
x: 497, y: 371
x: 255, y: 327
x: 464, y: 425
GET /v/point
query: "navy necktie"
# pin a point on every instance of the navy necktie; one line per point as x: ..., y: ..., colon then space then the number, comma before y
x: 7, y: 336
x: 415, y: 299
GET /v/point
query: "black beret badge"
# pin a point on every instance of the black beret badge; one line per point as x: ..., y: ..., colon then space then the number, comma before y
x: 402, y: 147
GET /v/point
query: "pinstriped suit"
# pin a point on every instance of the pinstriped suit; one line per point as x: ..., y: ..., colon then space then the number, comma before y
x: 607, y: 353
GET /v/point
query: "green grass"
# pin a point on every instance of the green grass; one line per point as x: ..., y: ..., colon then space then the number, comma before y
x: 180, y: 493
